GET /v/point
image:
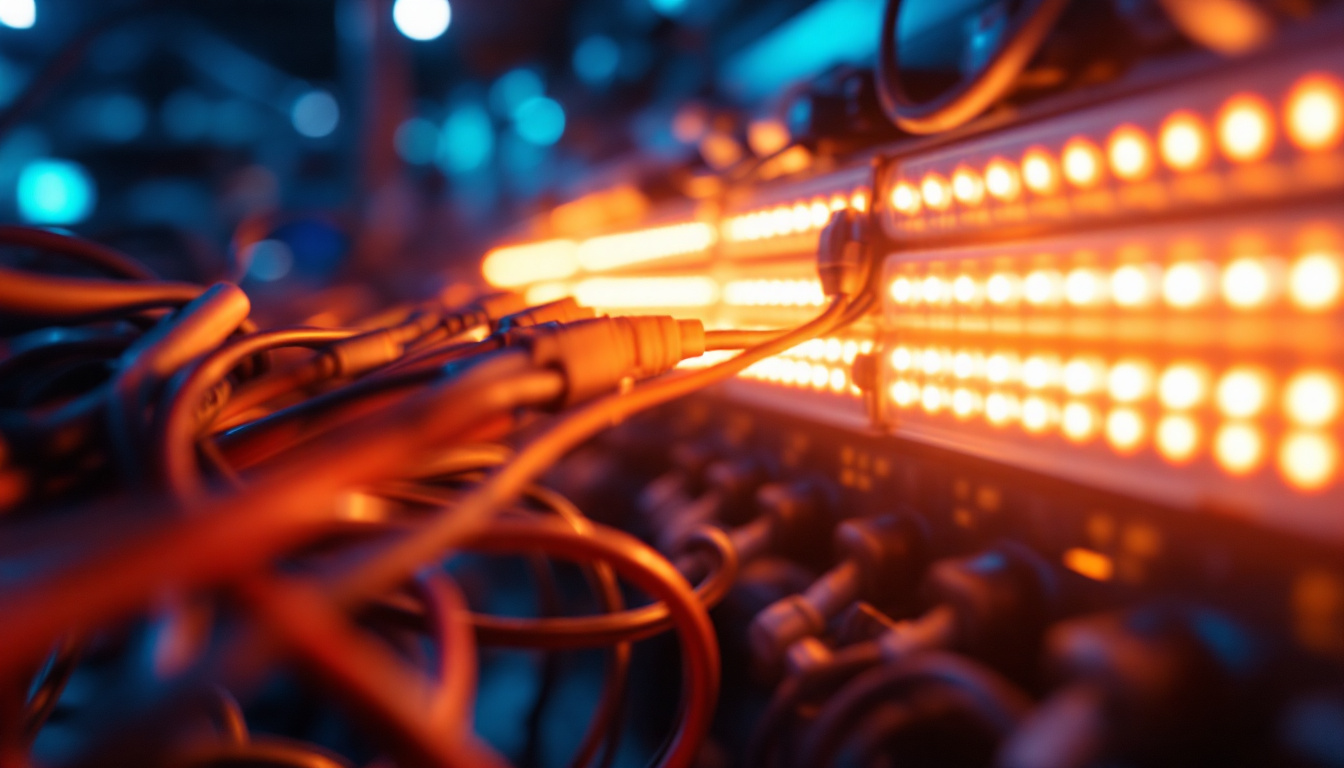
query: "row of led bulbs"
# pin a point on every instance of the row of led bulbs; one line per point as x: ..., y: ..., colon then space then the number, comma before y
x: 799, y: 217
x: 1312, y: 281
x: 819, y: 364
x: 1310, y: 397
x: 1307, y: 459
x: 1245, y: 130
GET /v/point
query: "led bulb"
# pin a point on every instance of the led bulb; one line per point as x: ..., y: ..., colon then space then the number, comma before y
x: 1002, y: 180
x: 1177, y: 438
x: 1183, y: 386
x: 1312, y: 398
x: 1188, y: 284
x: 1130, y: 153
x: 905, y: 198
x: 1315, y: 280
x: 1309, y: 461
x: 1078, y: 422
x: 1242, y: 392
x: 1184, y: 142
x: 1246, y: 129
x: 936, y: 193
x: 1130, y: 381
x: 1314, y: 113
x: 967, y: 187
x: 1238, y: 448
x: 1125, y: 430
x: 1039, y: 172
x: 1082, y: 163
x: 1247, y: 283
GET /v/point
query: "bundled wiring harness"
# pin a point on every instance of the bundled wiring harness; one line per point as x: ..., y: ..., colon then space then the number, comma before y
x: 190, y: 508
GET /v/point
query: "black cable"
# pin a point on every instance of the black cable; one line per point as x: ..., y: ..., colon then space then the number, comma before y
x: 995, y: 703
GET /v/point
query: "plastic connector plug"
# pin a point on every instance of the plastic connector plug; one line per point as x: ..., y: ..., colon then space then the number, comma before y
x: 843, y: 253
x: 495, y: 307
x: 878, y: 556
x: 565, y: 310
x: 362, y: 353
x: 1157, y: 685
x: 730, y: 485
x: 1001, y: 600
x: 596, y: 355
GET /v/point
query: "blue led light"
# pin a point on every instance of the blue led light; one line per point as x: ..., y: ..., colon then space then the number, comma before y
x: 668, y: 8
x: 315, y: 114
x: 269, y: 260
x: 596, y: 59
x: 512, y: 89
x: 422, y: 19
x: 828, y: 33
x: 120, y: 117
x: 18, y: 14
x: 55, y: 192
x: 186, y: 115
x: 417, y: 141
x: 468, y: 139
x: 539, y: 121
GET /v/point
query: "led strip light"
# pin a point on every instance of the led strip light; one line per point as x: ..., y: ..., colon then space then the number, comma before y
x: 1166, y: 152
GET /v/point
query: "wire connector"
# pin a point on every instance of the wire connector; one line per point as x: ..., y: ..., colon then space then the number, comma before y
x: 596, y: 354
x: 842, y: 253
x: 565, y: 310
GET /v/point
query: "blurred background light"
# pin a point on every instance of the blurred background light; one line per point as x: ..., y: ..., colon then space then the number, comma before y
x: 468, y: 139
x: 54, y: 191
x: 512, y: 89
x: 417, y: 141
x: 119, y: 117
x: 422, y: 19
x: 185, y: 115
x: 236, y: 122
x: 596, y: 58
x: 269, y: 260
x: 18, y: 14
x: 315, y: 114
x: 668, y: 8
x: 540, y: 121
x: 829, y: 32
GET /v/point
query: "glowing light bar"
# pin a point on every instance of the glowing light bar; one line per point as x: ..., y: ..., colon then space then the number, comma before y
x: 517, y: 265
x: 1132, y: 406
x: 1311, y: 282
x: 607, y: 252
x: 801, y: 216
x: 628, y: 292
x: 1149, y: 155
x: 774, y: 293
x: 820, y: 365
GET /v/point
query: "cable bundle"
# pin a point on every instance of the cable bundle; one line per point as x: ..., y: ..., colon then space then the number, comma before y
x: 192, y: 513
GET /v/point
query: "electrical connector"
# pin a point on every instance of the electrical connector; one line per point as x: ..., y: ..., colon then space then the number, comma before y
x: 878, y: 556
x: 843, y: 253
x: 596, y: 355
x: 565, y: 310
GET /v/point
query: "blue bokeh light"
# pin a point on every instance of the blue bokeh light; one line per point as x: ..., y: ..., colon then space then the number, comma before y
x: 417, y: 141
x: 422, y: 19
x: 120, y: 117
x: 315, y: 114
x: 468, y: 139
x: 186, y: 115
x: 18, y: 14
x: 269, y: 260
x: 52, y: 191
x: 826, y: 33
x: 668, y: 8
x: 512, y: 89
x: 540, y: 121
x: 596, y: 59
